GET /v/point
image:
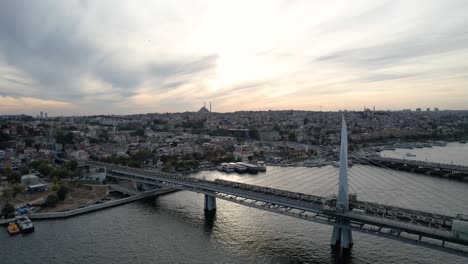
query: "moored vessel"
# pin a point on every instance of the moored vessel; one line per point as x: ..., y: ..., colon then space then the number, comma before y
x: 261, y: 166
x: 25, y: 224
x: 222, y: 167
x: 240, y: 168
x: 226, y: 167
x: 13, y: 229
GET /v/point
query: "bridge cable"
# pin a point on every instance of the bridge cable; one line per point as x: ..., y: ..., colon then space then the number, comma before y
x: 408, y: 180
x: 300, y: 171
x: 314, y: 176
x: 393, y: 207
x: 407, y: 206
x: 269, y: 176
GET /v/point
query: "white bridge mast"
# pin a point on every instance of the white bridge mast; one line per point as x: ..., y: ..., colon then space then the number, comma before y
x: 343, y: 236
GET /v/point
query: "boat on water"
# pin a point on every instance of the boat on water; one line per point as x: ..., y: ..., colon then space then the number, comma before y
x: 410, y: 155
x: 337, y: 164
x: 226, y: 167
x: 440, y: 143
x: 229, y: 168
x: 220, y: 167
x: 463, y: 141
x: 250, y: 168
x: 404, y: 146
x: 240, y: 168
x: 13, y: 229
x: 261, y: 166
x: 25, y: 224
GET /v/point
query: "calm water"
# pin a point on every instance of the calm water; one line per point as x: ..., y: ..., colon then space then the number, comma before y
x: 175, y: 229
x: 455, y: 153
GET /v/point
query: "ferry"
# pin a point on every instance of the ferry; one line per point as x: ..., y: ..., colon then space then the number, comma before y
x: 13, y: 229
x: 261, y: 166
x: 25, y: 224
x: 229, y: 168
x: 250, y: 168
x: 226, y: 167
x: 410, y: 155
x: 222, y: 167
x: 240, y: 168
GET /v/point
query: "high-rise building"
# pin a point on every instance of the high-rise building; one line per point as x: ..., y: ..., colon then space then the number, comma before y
x: 45, y: 115
x: 436, y: 109
x: 428, y: 109
x: 418, y: 109
x: 41, y: 114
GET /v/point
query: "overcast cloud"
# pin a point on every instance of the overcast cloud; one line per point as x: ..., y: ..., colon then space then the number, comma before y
x: 101, y: 57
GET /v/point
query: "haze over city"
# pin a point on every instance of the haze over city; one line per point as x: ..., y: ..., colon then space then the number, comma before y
x: 216, y: 131
x: 124, y: 57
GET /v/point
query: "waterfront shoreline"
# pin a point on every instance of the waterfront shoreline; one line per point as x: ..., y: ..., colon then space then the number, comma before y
x: 96, y: 207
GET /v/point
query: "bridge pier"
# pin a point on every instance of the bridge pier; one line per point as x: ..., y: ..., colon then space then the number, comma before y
x: 342, y: 237
x: 210, y: 202
x: 336, y: 237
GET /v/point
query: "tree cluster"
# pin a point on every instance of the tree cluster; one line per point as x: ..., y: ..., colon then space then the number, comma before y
x: 175, y: 163
x: 69, y: 169
x: 8, y: 210
x: 136, y: 160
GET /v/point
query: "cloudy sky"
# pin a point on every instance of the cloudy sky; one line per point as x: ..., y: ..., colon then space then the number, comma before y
x: 100, y: 57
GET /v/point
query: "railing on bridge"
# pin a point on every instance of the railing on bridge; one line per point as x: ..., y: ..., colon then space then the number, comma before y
x: 450, y: 171
x: 377, y: 219
x: 368, y: 217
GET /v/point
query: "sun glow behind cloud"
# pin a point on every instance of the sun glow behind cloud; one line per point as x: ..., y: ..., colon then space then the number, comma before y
x: 147, y: 56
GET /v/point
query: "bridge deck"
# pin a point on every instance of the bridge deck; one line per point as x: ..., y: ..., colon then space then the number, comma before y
x: 284, y: 202
x: 432, y: 165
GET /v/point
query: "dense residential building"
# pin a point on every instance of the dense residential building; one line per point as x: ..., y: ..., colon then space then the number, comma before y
x: 270, y: 135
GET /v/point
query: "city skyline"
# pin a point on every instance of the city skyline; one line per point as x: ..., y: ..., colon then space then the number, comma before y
x: 88, y: 57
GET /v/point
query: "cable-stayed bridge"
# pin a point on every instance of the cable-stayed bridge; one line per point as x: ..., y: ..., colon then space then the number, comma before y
x: 427, y: 226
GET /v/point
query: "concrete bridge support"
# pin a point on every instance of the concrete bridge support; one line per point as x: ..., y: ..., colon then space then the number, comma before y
x: 210, y: 202
x: 342, y: 237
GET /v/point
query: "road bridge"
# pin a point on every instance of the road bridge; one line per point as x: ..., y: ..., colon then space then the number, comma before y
x: 438, y: 169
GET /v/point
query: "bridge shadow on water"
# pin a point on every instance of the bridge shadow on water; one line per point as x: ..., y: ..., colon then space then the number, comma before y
x: 210, y: 218
x: 279, y: 253
x: 341, y: 256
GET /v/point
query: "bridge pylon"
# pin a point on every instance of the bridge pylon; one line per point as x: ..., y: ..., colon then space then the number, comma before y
x: 210, y: 202
x: 342, y: 236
